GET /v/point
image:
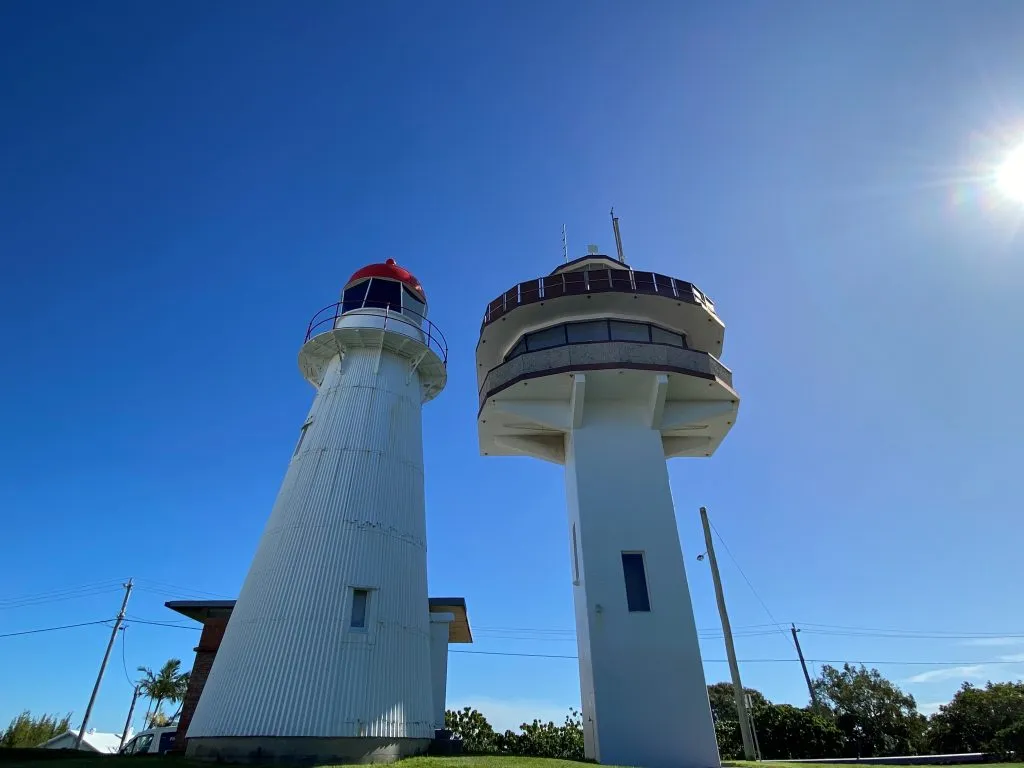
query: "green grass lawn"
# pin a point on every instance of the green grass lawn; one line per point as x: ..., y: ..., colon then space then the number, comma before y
x: 489, y: 761
x: 774, y: 764
x: 111, y: 761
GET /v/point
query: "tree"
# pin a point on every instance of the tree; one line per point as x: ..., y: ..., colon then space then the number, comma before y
x: 979, y: 720
x: 723, y: 702
x: 169, y: 684
x: 875, y: 716
x: 786, y: 732
x: 537, y: 739
x: 28, y: 731
x: 478, y: 737
x: 730, y: 743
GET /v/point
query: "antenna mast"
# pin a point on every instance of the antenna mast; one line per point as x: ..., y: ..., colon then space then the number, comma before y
x: 618, y: 237
x: 565, y: 246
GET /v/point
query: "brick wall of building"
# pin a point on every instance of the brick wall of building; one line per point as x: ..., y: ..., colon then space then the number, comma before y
x: 206, y: 651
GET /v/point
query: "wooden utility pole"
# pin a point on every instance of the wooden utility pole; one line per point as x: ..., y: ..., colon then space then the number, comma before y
x: 128, y: 722
x: 730, y: 650
x: 803, y: 664
x: 103, y: 666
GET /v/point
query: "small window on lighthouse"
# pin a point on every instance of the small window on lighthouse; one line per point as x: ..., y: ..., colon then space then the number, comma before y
x: 637, y: 598
x: 360, y: 599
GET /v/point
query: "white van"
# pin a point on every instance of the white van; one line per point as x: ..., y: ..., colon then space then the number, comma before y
x: 152, y: 741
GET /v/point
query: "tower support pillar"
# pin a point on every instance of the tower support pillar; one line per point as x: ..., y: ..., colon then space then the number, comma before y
x: 642, y: 682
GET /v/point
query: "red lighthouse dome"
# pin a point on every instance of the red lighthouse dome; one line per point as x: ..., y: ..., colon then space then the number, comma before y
x: 389, y: 270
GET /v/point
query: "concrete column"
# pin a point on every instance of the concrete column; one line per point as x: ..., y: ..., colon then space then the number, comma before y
x: 642, y: 683
x: 439, y: 663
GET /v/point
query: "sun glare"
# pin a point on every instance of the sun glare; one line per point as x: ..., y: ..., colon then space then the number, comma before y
x: 1010, y: 176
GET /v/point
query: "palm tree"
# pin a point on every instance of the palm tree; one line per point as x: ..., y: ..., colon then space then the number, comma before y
x: 169, y: 684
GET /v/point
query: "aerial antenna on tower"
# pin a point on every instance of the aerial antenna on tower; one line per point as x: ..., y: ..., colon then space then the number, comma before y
x: 565, y: 246
x: 618, y: 237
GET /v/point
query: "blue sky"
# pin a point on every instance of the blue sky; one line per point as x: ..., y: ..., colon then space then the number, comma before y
x: 185, y: 184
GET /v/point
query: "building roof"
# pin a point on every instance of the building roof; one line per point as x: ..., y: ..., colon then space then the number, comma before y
x: 104, y: 743
x: 390, y: 270
x: 590, y: 261
x: 200, y: 610
x: 458, y: 630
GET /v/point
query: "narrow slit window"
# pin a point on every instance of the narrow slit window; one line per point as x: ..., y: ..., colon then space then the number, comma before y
x: 637, y: 598
x: 575, y: 558
x: 360, y: 600
x: 302, y: 437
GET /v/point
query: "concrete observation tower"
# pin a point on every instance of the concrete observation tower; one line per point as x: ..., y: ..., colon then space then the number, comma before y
x: 327, y: 655
x: 610, y: 371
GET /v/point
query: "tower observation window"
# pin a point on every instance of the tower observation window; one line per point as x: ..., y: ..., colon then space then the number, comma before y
x: 593, y: 331
x: 635, y: 575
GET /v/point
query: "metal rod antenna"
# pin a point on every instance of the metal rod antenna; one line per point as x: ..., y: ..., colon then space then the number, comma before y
x: 618, y: 237
x: 730, y: 650
x: 103, y: 666
x: 565, y: 246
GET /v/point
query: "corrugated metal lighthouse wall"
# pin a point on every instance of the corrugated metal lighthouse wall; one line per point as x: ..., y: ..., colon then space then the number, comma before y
x: 350, y: 514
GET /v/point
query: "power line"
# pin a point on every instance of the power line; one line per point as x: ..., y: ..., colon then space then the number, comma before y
x: 177, y: 589
x: 738, y: 568
x: 753, y: 661
x: 124, y: 663
x: 54, y: 629
x: 61, y: 590
x: 57, y: 596
x: 166, y: 624
x: 709, y: 661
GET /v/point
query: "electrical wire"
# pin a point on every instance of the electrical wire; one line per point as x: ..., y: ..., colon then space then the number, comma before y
x: 124, y: 664
x: 57, y: 595
x: 176, y: 589
x: 894, y: 662
x: 753, y: 661
x: 54, y: 629
x: 749, y: 584
x: 167, y: 624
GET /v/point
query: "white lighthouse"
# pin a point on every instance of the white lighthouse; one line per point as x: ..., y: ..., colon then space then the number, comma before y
x: 327, y: 655
x: 610, y: 371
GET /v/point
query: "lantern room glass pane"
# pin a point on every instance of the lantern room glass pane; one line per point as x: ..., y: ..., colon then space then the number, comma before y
x: 412, y: 306
x: 353, y: 297
x: 384, y: 294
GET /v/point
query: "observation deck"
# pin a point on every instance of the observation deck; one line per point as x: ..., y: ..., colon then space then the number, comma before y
x: 597, y: 327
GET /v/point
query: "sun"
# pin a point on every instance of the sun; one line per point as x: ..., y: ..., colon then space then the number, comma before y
x: 1010, y: 175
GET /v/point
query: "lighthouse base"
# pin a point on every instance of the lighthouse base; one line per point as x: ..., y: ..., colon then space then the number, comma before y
x: 303, y: 750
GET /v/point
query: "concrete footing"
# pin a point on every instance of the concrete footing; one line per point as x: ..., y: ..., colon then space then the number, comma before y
x: 303, y: 750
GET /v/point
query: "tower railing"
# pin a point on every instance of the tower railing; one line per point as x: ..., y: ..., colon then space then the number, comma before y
x: 327, y: 320
x: 589, y: 281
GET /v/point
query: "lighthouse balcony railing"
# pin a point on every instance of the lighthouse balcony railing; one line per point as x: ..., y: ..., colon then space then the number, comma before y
x: 590, y: 281
x: 403, y: 320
